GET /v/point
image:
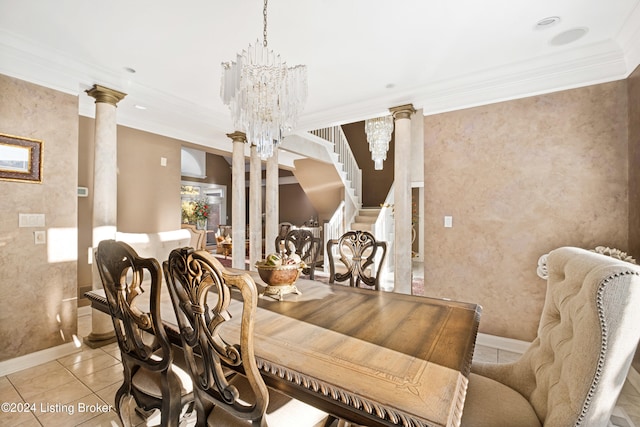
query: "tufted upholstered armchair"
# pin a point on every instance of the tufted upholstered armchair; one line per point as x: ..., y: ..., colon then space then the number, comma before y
x: 572, y: 373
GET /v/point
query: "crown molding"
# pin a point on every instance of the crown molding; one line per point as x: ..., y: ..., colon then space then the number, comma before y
x: 605, y: 62
x: 629, y: 40
x: 178, y: 118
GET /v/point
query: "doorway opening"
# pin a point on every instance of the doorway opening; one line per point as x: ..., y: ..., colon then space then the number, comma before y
x: 216, y: 198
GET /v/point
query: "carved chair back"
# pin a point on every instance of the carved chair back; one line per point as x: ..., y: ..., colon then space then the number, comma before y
x: 358, y: 252
x: 201, y: 289
x: 144, y: 346
x: 284, y: 228
x: 303, y: 243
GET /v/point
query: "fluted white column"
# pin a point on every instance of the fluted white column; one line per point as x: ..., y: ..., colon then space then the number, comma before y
x: 238, y: 202
x: 104, y: 196
x: 402, y: 199
x: 271, y: 203
x: 255, y: 208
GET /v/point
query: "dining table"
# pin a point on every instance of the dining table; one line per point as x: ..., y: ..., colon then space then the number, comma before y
x: 369, y: 357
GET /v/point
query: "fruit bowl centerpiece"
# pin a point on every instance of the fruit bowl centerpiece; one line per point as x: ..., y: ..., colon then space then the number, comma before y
x: 280, y: 272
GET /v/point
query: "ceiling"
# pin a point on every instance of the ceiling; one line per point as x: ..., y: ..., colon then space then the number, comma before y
x: 362, y: 56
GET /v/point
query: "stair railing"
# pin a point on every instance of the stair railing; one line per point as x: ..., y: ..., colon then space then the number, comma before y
x: 341, y: 147
x: 333, y: 229
x: 383, y: 228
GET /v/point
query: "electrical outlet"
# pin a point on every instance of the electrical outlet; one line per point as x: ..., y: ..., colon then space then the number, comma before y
x: 39, y: 237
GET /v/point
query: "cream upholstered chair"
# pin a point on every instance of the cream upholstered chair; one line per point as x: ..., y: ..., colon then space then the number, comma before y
x: 198, y: 237
x: 572, y: 373
x: 201, y: 291
x: 150, y: 375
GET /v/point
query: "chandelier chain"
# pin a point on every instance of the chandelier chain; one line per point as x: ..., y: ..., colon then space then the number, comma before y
x: 264, y: 31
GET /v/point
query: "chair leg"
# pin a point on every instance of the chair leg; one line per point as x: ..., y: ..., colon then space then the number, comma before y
x: 151, y: 417
x: 124, y: 403
x: 331, y: 421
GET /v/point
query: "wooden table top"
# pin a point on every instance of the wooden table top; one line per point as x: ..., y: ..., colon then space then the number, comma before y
x: 374, y: 358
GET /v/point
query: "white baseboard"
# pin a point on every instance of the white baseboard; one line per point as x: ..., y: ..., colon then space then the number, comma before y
x: 501, y: 343
x: 634, y: 379
x: 620, y: 418
x: 37, y: 358
x: 518, y: 346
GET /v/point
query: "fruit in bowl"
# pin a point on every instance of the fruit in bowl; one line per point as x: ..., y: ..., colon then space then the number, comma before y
x: 272, y: 260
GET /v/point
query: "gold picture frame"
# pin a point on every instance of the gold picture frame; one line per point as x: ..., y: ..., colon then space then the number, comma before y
x: 20, y: 159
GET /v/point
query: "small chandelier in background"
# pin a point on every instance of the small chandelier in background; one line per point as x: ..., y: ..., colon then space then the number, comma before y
x: 379, y: 134
x: 264, y: 95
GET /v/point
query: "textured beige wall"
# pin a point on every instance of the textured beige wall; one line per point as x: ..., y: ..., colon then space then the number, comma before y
x: 634, y: 163
x: 634, y: 174
x: 521, y: 178
x: 38, y: 282
x: 85, y: 179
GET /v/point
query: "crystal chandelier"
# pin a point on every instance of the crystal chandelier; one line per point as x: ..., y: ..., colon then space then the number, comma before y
x: 379, y: 134
x: 264, y: 95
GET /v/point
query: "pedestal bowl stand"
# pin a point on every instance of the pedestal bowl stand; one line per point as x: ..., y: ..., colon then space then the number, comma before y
x: 279, y: 279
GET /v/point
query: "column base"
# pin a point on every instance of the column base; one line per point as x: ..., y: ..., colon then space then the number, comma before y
x: 99, y: 340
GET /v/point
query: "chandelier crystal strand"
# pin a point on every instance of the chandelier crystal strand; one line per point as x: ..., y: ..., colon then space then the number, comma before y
x: 265, y: 97
x: 379, y: 132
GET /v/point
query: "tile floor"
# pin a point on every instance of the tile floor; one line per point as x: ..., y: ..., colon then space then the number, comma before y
x: 78, y: 390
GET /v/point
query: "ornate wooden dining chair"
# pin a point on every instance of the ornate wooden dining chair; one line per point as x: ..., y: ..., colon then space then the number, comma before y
x: 303, y: 243
x: 573, y: 371
x: 357, y: 251
x: 150, y: 376
x: 284, y: 228
x: 201, y: 291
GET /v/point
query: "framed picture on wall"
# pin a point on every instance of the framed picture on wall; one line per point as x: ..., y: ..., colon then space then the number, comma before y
x: 20, y: 159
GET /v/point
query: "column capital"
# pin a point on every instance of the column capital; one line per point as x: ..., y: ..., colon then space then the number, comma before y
x: 106, y: 95
x: 238, y: 136
x: 402, y: 111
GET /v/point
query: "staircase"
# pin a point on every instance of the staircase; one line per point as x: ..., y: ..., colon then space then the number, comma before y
x: 328, y: 172
x: 365, y: 219
x: 332, y: 180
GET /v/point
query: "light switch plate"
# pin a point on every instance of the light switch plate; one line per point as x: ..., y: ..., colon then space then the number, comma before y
x: 448, y: 221
x: 83, y: 192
